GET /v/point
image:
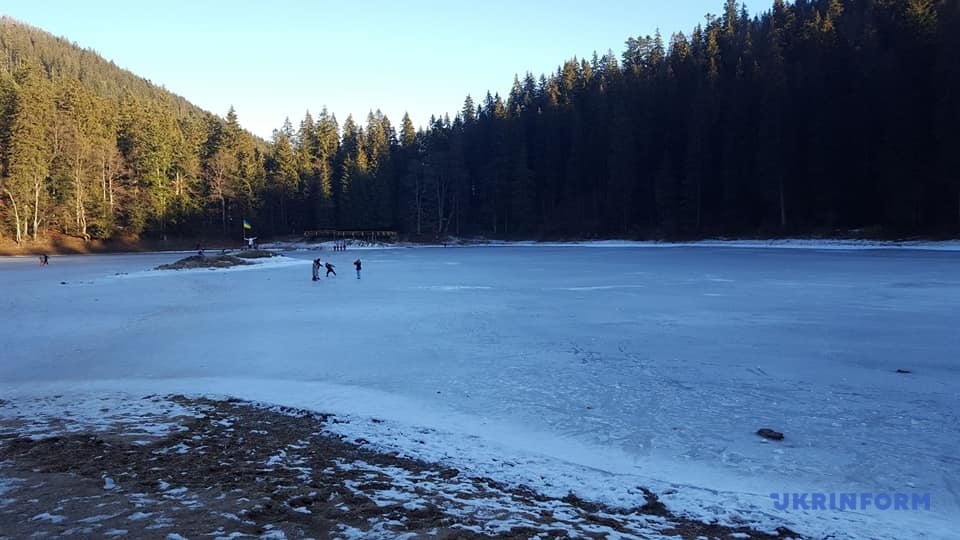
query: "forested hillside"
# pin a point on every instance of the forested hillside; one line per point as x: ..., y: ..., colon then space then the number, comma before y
x: 816, y: 117
x: 90, y: 150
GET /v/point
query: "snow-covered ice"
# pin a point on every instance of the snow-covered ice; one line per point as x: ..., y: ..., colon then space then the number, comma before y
x: 595, y: 369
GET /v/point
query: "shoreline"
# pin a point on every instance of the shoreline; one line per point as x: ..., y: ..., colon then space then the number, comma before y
x: 298, y: 244
x: 189, y: 465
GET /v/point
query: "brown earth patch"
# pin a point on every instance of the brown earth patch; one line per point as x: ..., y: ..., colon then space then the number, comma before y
x: 247, y: 471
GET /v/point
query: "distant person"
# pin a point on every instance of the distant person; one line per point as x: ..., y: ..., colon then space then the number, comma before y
x: 330, y: 269
x: 357, y: 264
x: 44, y: 260
x: 316, y: 269
x: 199, y: 250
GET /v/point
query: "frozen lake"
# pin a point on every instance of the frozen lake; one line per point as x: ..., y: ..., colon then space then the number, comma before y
x: 647, y: 365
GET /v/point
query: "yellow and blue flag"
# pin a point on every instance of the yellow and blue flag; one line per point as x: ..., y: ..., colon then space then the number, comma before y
x: 246, y: 224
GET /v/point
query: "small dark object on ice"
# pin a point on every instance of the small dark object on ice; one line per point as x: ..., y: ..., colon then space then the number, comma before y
x: 768, y: 433
x: 904, y: 371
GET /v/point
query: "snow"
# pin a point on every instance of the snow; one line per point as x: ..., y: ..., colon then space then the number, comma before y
x: 781, y: 243
x: 277, y: 459
x: 45, y: 516
x: 52, y: 414
x: 6, y: 484
x: 98, y: 518
x: 596, y: 368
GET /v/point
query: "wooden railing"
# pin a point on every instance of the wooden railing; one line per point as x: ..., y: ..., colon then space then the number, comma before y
x: 370, y: 236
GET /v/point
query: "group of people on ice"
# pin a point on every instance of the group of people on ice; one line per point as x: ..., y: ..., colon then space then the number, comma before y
x: 330, y: 267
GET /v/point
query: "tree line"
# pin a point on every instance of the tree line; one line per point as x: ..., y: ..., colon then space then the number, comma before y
x: 813, y: 117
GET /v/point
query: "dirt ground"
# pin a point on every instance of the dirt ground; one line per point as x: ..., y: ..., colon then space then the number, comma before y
x: 235, y: 470
x: 63, y: 244
x: 217, y: 260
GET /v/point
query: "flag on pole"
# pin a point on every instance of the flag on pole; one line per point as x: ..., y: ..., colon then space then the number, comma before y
x: 246, y: 225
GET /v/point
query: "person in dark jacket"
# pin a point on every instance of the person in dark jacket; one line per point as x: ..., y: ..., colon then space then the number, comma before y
x: 330, y: 269
x: 357, y: 264
x: 316, y: 269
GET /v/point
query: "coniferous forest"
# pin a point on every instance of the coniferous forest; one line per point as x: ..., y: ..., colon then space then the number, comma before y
x: 813, y: 117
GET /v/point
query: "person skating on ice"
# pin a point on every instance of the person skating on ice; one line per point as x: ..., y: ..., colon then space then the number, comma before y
x: 330, y: 269
x: 357, y: 264
x: 316, y: 269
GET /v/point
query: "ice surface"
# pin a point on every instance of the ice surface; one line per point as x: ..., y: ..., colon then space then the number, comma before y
x: 649, y: 366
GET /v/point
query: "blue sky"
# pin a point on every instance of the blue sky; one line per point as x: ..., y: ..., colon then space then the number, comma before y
x: 278, y: 59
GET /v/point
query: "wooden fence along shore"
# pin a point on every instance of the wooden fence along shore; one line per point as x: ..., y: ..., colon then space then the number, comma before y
x: 369, y: 236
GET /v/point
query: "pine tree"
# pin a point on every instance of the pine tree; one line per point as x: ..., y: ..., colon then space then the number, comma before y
x: 283, y: 178
x: 186, y: 202
x: 353, y: 166
x: 79, y: 119
x: 328, y: 145
x: 33, y: 148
